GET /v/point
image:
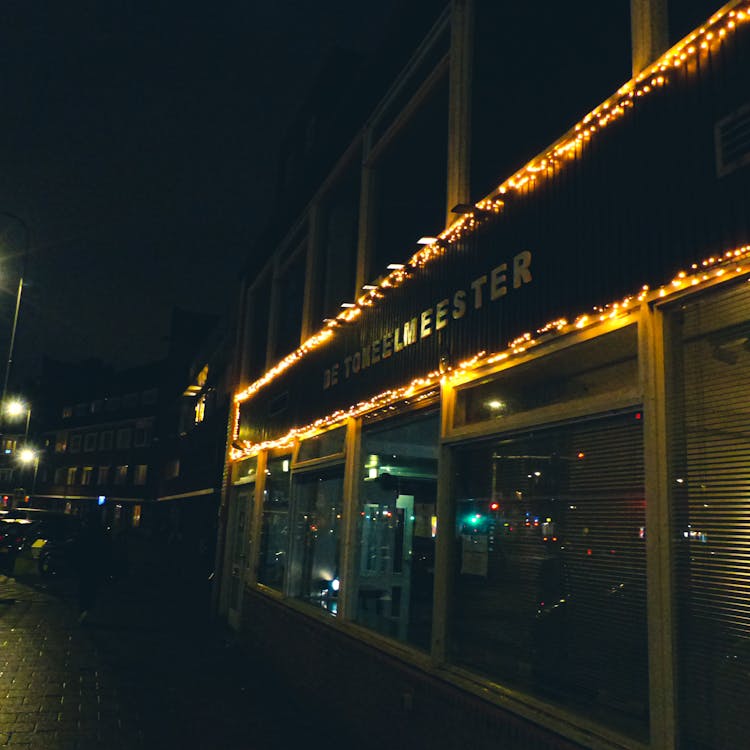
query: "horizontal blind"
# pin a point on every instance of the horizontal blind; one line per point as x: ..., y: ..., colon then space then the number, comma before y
x: 710, y: 479
x: 558, y: 608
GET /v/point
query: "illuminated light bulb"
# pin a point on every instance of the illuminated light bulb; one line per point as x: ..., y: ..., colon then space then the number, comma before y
x: 566, y: 147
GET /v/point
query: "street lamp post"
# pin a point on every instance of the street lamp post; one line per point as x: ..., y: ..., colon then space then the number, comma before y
x: 18, y: 300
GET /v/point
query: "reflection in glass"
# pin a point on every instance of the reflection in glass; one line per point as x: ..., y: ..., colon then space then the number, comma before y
x: 588, y: 369
x: 395, y: 558
x: 274, y: 535
x: 320, y: 446
x: 241, y: 506
x: 550, y: 577
x: 314, y: 560
x: 710, y: 477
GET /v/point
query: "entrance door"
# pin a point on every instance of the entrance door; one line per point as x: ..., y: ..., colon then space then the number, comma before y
x: 239, y: 538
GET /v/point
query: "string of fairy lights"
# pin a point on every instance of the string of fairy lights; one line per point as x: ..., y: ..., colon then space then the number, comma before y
x: 702, y: 41
x: 732, y: 264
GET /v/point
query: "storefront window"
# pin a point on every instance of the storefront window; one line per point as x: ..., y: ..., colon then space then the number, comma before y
x: 244, y: 471
x: 550, y: 575
x: 397, y: 526
x: 709, y: 478
x: 316, y: 538
x: 274, y: 535
x: 593, y: 368
x: 327, y: 444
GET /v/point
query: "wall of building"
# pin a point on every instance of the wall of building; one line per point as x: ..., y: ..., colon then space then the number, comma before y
x: 537, y: 503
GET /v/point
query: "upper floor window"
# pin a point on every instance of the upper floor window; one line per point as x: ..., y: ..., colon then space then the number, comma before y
x: 130, y: 400
x: 172, y: 469
x: 200, y: 409
x: 103, y: 475
x: 149, y: 396
x: 121, y: 474
x: 82, y: 410
x: 124, y: 437
x: 67, y: 412
x: 87, y: 474
x: 140, y: 474
x: 140, y: 437
x: 97, y: 406
x: 89, y: 442
x: 105, y: 440
x: 75, y: 444
x: 72, y: 475
x: 112, y: 403
x: 61, y: 442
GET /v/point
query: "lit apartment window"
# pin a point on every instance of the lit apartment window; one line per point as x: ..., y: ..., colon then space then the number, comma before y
x: 9, y: 445
x: 61, y: 442
x: 136, y: 516
x: 103, y: 475
x: 67, y: 412
x: 200, y: 409
x: 72, y: 474
x: 139, y: 476
x: 75, y: 444
x: 121, y: 474
x: 89, y: 442
x: 87, y: 474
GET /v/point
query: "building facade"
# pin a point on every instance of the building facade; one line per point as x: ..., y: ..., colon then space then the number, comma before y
x: 100, y: 430
x: 499, y: 494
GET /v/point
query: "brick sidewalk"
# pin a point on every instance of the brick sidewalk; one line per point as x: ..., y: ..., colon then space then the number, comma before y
x: 145, y: 671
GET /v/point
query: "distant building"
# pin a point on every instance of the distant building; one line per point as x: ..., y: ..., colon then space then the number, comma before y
x: 147, y: 443
x: 490, y: 489
x: 99, y: 436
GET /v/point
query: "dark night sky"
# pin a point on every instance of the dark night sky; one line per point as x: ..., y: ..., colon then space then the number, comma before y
x: 138, y: 143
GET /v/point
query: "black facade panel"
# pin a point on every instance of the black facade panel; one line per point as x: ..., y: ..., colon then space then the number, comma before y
x: 640, y: 203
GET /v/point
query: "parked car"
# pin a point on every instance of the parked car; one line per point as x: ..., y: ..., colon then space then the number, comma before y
x: 45, y: 541
x: 16, y: 537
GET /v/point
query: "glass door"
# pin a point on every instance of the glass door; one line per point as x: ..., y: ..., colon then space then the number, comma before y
x: 239, y: 531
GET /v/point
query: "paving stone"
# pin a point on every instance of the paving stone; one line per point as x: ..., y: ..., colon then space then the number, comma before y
x: 145, y: 671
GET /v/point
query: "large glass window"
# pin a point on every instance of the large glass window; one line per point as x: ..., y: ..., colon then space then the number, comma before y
x: 396, y: 552
x: 316, y: 538
x: 603, y: 365
x: 550, y: 566
x: 338, y: 221
x: 289, y: 305
x: 328, y: 443
x: 709, y: 477
x: 274, y: 534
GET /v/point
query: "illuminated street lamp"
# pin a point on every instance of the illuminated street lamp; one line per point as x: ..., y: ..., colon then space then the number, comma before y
x: 15, y: 408
x: 27, y: 456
